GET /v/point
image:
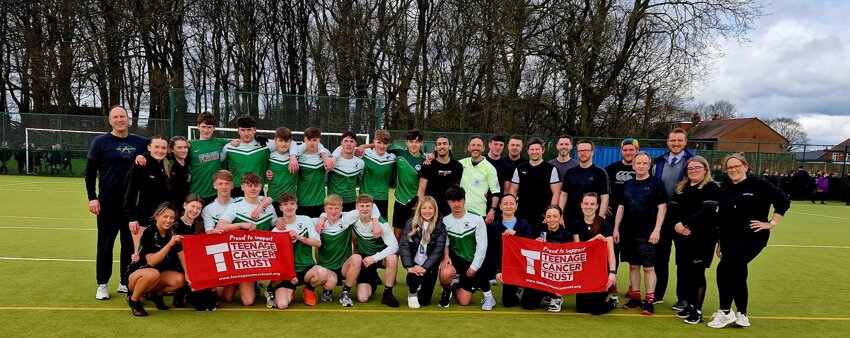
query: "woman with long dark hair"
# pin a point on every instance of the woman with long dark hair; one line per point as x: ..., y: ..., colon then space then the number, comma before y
x: 146, y: 187
x: 508, y: 225
x: 744, y: 229
x: 592, y: 227
x: 693, y: 210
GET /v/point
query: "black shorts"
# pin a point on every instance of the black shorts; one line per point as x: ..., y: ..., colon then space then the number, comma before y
x: 300, y: 275
x: 461, y: 266
x: 402, y: 212
x: 638, y: 252
x: 238, y: 192
x: 369, y: 275
x: 383, y: 206
x: 348, y: 206
x: 313, y: 211
x: 339, y: 276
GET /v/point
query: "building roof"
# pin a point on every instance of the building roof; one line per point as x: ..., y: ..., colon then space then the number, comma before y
x: 841, y: 146
x: 809, y: 155
x: 714, y: 129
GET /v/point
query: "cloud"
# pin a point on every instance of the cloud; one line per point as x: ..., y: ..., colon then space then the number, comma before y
x: 796, y: 65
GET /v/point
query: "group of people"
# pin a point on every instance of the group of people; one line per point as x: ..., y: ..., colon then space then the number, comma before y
x: 448, y: 219
x: 52, y: 161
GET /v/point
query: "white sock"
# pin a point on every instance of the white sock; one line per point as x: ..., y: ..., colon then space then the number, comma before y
x: 488, y: 294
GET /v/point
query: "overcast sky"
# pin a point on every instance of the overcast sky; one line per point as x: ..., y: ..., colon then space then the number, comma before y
x: 797, y: 64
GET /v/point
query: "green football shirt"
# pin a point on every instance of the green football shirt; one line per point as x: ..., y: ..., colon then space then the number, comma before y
x: 204, y: 161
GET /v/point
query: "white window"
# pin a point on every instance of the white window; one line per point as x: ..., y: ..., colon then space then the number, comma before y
x: 835, y: 157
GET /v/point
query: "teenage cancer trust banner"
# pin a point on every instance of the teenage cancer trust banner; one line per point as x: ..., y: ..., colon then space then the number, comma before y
x: 238, y: 256
x: 557, y: 268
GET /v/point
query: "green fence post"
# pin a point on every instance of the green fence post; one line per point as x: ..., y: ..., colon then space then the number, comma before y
x: 171, y: 109
x: 379, y: 112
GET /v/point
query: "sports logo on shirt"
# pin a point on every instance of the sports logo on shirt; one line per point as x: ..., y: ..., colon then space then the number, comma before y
x: 417, y: 167
x: 476, y: 182
x: 126, y: 150
x: 623, y: 176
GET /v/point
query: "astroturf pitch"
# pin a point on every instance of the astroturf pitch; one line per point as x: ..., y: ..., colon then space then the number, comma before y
x: 798, y: 287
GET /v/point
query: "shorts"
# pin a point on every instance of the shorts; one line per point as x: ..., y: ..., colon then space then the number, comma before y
x: 383, y: 206
x: 313, y: 211
x: 638, y: 252
x: 402, y: 212
x: 369, y: 275
x: 339, y: 276
x: 348, y: 206
x: 461, y: 266
x: 300, y: 275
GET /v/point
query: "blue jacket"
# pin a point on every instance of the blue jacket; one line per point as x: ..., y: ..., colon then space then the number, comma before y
x: 659, y: 162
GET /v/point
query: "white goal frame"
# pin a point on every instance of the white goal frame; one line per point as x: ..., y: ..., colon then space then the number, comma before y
x: 190, y: 135
x: 27, y: 137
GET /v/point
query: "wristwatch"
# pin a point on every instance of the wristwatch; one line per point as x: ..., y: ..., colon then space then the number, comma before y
x: 612, y: 271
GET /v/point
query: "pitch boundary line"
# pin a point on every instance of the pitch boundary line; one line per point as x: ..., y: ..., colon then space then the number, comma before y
x: 808, y: 246
x: 374, y: 311
x: 819, y: 215
x: 37, y: 228
x: 31, y: 190
x: 31, y: 259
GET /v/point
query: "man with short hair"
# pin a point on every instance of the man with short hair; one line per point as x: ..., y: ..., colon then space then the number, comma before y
x: 345, y: 176
x: 380, y: 165
x: 377, y: 252
x: 637, y: 227
x: 311, y: 174
x: 238, y: 215
x: 466, y: 247
x: 480, y: 179
x: 408, y: 163
x: 563, y: 162
x: 249, y: 156
x: 109, y: 159
x: 586, y: 177
x: 280, y: 179
x: 205, y: 157
x: 440, y: 175
x: 536, y: 185
x: 335, y: 254
x: 495, y: 147
x: 304, y: 238
x: 621, y: 171
x: 670, y: 168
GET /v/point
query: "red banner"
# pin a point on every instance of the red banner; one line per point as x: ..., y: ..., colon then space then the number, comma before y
x: 557, y: 268
x: 238, y: 256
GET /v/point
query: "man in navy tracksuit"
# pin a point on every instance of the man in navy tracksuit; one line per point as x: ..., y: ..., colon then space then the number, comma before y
x: 670, y: 169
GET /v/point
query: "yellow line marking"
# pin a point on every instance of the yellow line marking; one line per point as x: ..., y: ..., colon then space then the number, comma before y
x: 50, y: 218
x: 416, y: 312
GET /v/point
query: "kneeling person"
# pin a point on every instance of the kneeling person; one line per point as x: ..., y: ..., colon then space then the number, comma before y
x: 377, y: 252
x: 304, y: 238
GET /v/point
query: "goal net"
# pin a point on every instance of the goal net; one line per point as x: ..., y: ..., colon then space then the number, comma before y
x: 57, y: 151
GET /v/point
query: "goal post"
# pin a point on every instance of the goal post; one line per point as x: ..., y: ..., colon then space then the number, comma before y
x: 69, y: 139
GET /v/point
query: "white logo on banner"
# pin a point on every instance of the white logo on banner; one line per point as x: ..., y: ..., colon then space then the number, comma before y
x: 247, y: 252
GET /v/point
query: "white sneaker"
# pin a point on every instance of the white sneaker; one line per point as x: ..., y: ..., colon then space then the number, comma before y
x: 413, y: 301
x: 270, y: 303
x: 102, y: 292
x: 122, y: 288
x: 720, y: 320
x: 489, y: 303
x: 555, y: 304
x: 743, y: 320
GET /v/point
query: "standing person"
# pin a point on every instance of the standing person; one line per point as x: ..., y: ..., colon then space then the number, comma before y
x: 588, y: 228
x: 670, y: 169
x: 515, y: 151
x: 508, y: 225
x: 586, y: 177
x: 478, y: 181
x: 466, y: 247
x: 21, y: 158
x: 505, y: 170
x: 250, y: 156
x: 345, y: 176
x: 637, y: 227
x: 311, y: 173
x: 821, y: 187
x: 109, y: 159
x: 536, y: 184
x: 618, y: 173
x: 181, y: 174
x: 378, y: 173
x: 205, y: 157
x: 800, y: 182
x: 408, y: 163
x: 564, y: 162
x: 160, y: 267
x: 5, y: 156
x: 280, y: 179
x: 845, y: 188
x: 147, y: 186
x: 553, y: 232
x: 693, y: 212
x: 744, y: 231
x: 421, y: 249
x: 440, y: 175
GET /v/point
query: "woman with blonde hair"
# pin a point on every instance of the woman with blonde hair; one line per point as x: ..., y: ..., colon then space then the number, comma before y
x: 743, y: 228
x: 692, y: 211
x: 421, y: 248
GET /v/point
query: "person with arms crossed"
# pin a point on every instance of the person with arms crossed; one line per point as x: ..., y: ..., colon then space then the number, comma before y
x: 670, y: 169
x: 586, y: 177
x: 466, y: 247
x: 109, y: 159
x: 421, y: 249
x: 478, y: 181
x: 744, y: 230
x: 536, y: 184
x: 440, y: 175
x: 637, y: 227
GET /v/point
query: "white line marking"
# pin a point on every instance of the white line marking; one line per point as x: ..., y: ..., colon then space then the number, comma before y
x: 49, y: 259
x: 30, y: 190
x: 13, y: 184
x: 809, y: 246
x: 39, y: 228
x: 819, y: 215
x: 49, y: 218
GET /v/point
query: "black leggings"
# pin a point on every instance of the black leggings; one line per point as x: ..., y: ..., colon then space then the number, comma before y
x: 694, y: 283
x: 422, y: 286
x: 110, y: 222
x: 531, y: 298
x: 732, y: 272
x: 509, y: 295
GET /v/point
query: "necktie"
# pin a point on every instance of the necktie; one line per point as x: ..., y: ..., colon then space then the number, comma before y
x: 674, y: 161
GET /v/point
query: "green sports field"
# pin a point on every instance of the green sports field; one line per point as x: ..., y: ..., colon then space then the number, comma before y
x: 798, y: 287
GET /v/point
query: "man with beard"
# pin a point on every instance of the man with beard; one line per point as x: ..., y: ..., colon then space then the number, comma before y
x: 440, y: 175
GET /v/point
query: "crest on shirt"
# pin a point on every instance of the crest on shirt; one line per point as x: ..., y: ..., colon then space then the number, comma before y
x: 417, y: 167
x: 476, y: 182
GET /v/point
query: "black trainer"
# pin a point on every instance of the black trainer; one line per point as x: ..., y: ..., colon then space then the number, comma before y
x: 389, y: 299
x: 632, y: 304
x: 694, y: 319
x: 136, y: 307
x: 648, y: 308
x: 445, y: 297
x: 679, y: 306
x: 158, y: 300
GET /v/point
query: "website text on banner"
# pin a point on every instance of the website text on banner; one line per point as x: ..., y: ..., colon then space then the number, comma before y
x: 238, y: 256
x: 556, y: 268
